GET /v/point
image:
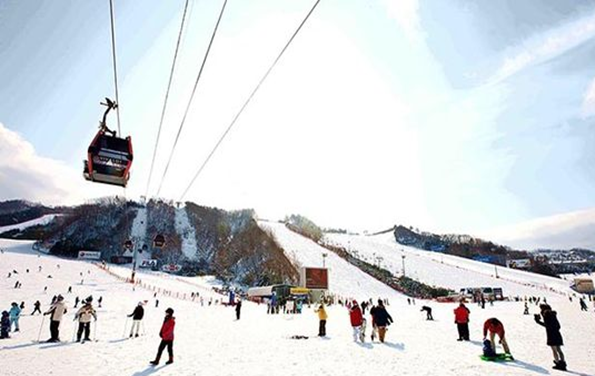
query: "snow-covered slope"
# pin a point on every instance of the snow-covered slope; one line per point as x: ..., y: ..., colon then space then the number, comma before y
x: 43, y: 220
x: 209, y: 341
x: 445, y: 270
x: 187, y: 234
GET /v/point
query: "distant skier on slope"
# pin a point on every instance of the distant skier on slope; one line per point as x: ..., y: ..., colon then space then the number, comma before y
x: 167, y: 337
x: 356, y: 319
x: 494, y: 327
x: 137, y: 316
x: 583, y: 304
x: 57, y: 311
x: 552, y: 330
x: 322, y: 317
x: 37, y: 307
x: 382, y: 319
x: 462, y: 321
x: 238, y: 308
x: 84, y: 315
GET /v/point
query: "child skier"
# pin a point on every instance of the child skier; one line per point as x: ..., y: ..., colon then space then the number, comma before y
x: 137, y: 316
x: 4, y: 325
x: 552, y: 330
x: 84, y: 315
x: 167, y: 337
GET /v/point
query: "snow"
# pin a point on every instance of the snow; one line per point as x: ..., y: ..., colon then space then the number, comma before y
x: 138, y: 234
x: 187, y: 234
x: 209, y: 341
x: 446, y: 270
x: 43, y: 220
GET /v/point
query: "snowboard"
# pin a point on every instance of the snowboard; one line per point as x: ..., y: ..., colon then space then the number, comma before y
x: 497, y: 358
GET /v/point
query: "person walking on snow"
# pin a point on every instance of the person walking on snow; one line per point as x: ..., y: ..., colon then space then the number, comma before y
x: 37, y: 307
x: 322, y: 316
x: 57, y: 311
x: 137, y: 316
x: 462, y: 321
x: 167, y: 337
x: 84, y: 315
x: 15, y: 314
x: 552, y: 330
x: 238, y: 308
x: 495, y: 327
x: 356, y: 318
x: 382, y: 319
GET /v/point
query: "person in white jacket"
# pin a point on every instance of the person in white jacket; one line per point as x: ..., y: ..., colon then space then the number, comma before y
x: 84, y: 315
x: 57, y: 311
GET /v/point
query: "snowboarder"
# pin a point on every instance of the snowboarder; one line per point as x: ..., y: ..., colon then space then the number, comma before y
x: 57, y: 311
x: 428, y: 312
x: 4, y: 325
x: 382, y: 319
x: 552, y: 330
x: 356, y: 318
x: 84, y: 315
x: 238, y: 309
x: 462, y: 321
x: 322, y: 316
x: 137, y: 316
x: 15, y: 314
x: 167, y: 337
x: 495, y: 327
x: 37, y: 307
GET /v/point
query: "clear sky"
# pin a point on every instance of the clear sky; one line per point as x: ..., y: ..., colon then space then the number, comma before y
x: 446, y: 115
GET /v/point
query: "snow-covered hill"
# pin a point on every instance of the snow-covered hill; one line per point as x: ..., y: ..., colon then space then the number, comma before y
x: 43, y: 220
x: 210, y: 341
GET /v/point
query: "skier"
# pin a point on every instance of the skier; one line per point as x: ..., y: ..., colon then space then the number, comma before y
x: 552, y: 330
x: 76, y: 301
x: 137, y: 316
x: 99, y: 301
x: 37, y: 306
x: 583, y: 304
x: 22, y: 306
x: 167, y: 337
x: 322, y: 316
x: 494, y: 326
x: 382, y: 319
x: 15, y: 314
x: 84, y: 315
x: 462, y: 321
x: 70, y: 289
x: 57, y: 311
x: 428, y: 312
x: 238, y: 308
x: 355, y: 316
x: 4, y: 325
x: 526, y: 311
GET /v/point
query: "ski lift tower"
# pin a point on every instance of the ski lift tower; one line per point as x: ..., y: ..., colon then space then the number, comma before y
x: 403, y: 261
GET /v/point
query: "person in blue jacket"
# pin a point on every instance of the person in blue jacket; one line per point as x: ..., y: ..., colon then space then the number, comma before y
x: 14, y: 314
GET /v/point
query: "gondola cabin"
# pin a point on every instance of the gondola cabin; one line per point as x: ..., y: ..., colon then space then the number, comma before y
x: 159, y: 241
x: 109, y: 159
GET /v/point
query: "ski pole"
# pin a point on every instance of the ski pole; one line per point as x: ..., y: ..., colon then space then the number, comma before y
x: 40, y: 327
x: 95, y: 332
x: 125, y: 325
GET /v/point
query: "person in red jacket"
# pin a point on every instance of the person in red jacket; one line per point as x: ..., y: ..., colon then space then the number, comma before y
x: 462, y: 321
x: 357, y: 319
x: 494, y: 326
x: 167, y: 337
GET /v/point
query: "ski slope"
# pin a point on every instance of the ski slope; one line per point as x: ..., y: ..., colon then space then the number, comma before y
x: 43, y: 220
x: 209, y: 341
x: 446, y: 270
x: 187, y: 234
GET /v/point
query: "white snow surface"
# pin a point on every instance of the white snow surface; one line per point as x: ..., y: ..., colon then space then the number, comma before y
x: 187, y: 234
x: 138, y: 234
x: 446, y: 270
x: 209, y: 341
x: 43, y: 220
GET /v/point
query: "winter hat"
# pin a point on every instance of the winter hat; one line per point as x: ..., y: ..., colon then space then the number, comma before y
x: 60, y: 298
x: 170, y: 311
x: 140, y: 303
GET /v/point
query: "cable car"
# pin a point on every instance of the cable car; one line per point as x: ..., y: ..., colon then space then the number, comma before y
x: 109, y: 158
x: 159, y: 241
x: 128, y: 244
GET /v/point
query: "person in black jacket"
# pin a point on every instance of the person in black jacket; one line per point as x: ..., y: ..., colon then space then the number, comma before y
x: 238, y: 309
x: 382, y: 319
x: 137, y: 316
x: 552, y: 330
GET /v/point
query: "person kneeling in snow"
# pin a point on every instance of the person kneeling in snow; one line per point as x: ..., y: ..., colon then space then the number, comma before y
x: 167, y: 337
x: 84, y: 315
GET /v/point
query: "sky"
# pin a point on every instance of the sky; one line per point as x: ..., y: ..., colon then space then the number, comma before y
x: 448, y: 116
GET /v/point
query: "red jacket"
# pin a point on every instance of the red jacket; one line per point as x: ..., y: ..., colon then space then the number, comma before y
x: 461, y: 315
x: 497, y: 328
x: 355, y: 314
x: 167, y: 329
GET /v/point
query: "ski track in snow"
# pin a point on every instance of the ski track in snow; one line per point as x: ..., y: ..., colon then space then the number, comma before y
x: 187, y: 234
x: 210, y: 342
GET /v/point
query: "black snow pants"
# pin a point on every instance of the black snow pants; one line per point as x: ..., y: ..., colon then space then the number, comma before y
x: 162, y: 346
x: 54, y: 330
x: 83, y: 326
x: 322, y: 328
x: 463, y: 331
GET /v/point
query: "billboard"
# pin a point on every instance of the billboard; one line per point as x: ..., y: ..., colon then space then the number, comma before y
x: 314, y: 278
x: 172, y: 268
x: 89, y: 255
x: 149, y: 264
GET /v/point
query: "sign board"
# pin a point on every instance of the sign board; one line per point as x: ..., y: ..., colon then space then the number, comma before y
x: 519, y: 263
x: 172, y: 268
x: 299, y: 291
x: 314, y: 278
x: 149, y: 264
x: 89, y: 255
